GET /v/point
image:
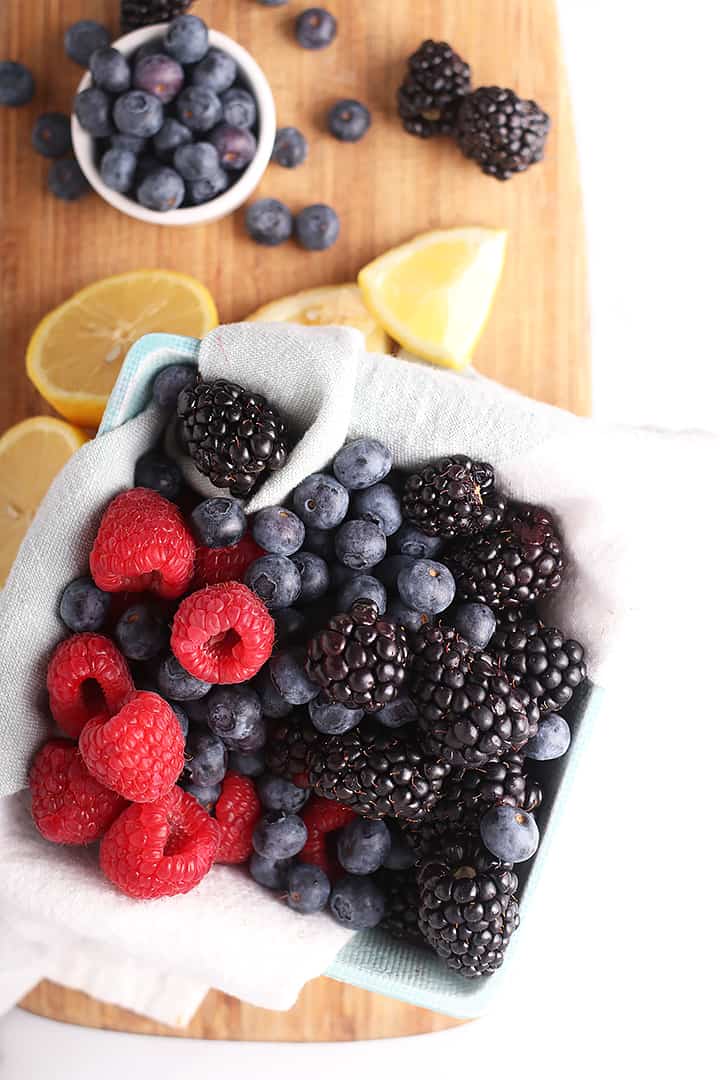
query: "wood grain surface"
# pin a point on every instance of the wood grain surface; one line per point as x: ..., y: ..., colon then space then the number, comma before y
x: 386, y: 189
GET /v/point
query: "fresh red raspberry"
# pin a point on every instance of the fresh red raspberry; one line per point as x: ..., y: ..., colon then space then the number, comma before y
x: 87, y: 675
x: 222, y: 634
x: 213, y: 565
x: 139, y: 752
x: 161, y: 848
x: 237, y: 812
x: 322, y: 817
x: 68, y: 805
x: 142, y: 545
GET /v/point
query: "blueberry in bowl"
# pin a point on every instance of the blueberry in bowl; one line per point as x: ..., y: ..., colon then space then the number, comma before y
x: 173, y: 124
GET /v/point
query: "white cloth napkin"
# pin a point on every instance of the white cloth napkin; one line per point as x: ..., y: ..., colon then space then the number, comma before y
x: 623, y: 497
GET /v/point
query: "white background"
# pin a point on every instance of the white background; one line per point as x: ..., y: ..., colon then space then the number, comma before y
x: 623, y: 976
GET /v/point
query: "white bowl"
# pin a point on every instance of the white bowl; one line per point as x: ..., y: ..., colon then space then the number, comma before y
x: 252, y: 75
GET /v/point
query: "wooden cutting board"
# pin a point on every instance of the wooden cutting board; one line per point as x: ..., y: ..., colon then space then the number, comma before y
x: 386, y: 189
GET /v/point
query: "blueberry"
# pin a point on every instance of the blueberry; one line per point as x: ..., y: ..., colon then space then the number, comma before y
x: 331, y: 718
x: 510, y: 834
x: 216, y: 70
x: 170, y: 382
x: 411, y: 541
x: 236, y: 147
x: 209, y: 187
x: 279, y: 835
x: 182, y: 718
x: 314, y: 576
x: 400, y: 856
x: 362, y: 463
x: 92, y: 108
x: 238, y: 107
x: 176, y: 683
x: 360, y: 544
x: 363, y: 586
x: 141, y: 633
x: 206, y: 794
x: 552, y: 739
x: 321, y: 501
x: 84, y: 607
x: 272, y: 3
x: 17, y: 85
x: 194, y: 161
x: 426, y: 586
x: 138, y: 113
x: 379, y: 504
x: 235, y: 715
x: 205, y: 758
x: 399, y: 712
x: 117, y: 169
x: 268, y: 222
x: 270, y: 873
x: 290, y: 625
x: 171, y: 135
x: 219, y: 522
x: 275, y: 580
x: 348, y: 120
x: 83, y: 38
x: 290, y: 149
x: 150, y: 48
x: 160, y: 75
x: 66, y: 180
x: 319, y: 542
x: 247, y: 762
x: 317, y: 227
x: 475, y: 622
x: 276, y: 793
x: 308, y: 887
x: 287, y: 671
x: 51, y: 135
x: 363, y: 845
x: 315, y: 28
x: 186, y: 39
x: 409, y: 617
x: 196, y: 712
x: 199, y: 108
x: 110, y: 70
x: 278, y: 531
x: 273, y: 705
x: 155, y: 470
x: 134, y: 143
x: 161, y: 190
x: 357, y: 903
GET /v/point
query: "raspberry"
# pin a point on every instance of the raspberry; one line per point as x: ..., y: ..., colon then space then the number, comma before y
x: 321, y: 817
x: 237, y: 812
x: 143, y: 545
x: 161, y: 848
x: 87, y: 675
x: 213, y: 565
x: 222, y: 634
x: 68, y: 805
x: 139, y: 752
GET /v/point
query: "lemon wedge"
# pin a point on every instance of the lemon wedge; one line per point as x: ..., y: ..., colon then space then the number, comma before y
x: 330, y: 305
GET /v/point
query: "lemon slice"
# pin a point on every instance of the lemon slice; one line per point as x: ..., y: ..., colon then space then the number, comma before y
x: 331, y: 305
x: 31, y: 454
x: 76, y: 352
x: 434, y: 293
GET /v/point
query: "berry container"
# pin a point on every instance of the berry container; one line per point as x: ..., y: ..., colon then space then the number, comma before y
x: 373, y: 960
x: 252, y: 75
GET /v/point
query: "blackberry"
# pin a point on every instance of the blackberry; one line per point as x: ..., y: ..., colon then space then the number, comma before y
x: 435, y: 83
x: 468, y: 909
x: 287, y: 752
x: 234, y: 437
x: 402, y: 900
x: 453, y: 497
x: 377, y: 772
x: 546, y: 663
x: 503, y: 133
x: 359, y: 660
x: 514, y: 564
x: 134, y: 13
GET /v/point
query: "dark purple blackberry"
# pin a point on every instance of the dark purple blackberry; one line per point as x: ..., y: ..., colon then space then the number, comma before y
x: 468, y: 909
x: 134, y: 13
x: 402, y: 900
x: 514, y: 564
x: 377, y: 772
x: 287, y: 752
x: 453, y: 497
x: 360, y: 658
x: 503, y: 133
x: 234, y: 437
x: 546, y: 663
x: 428, y: 98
